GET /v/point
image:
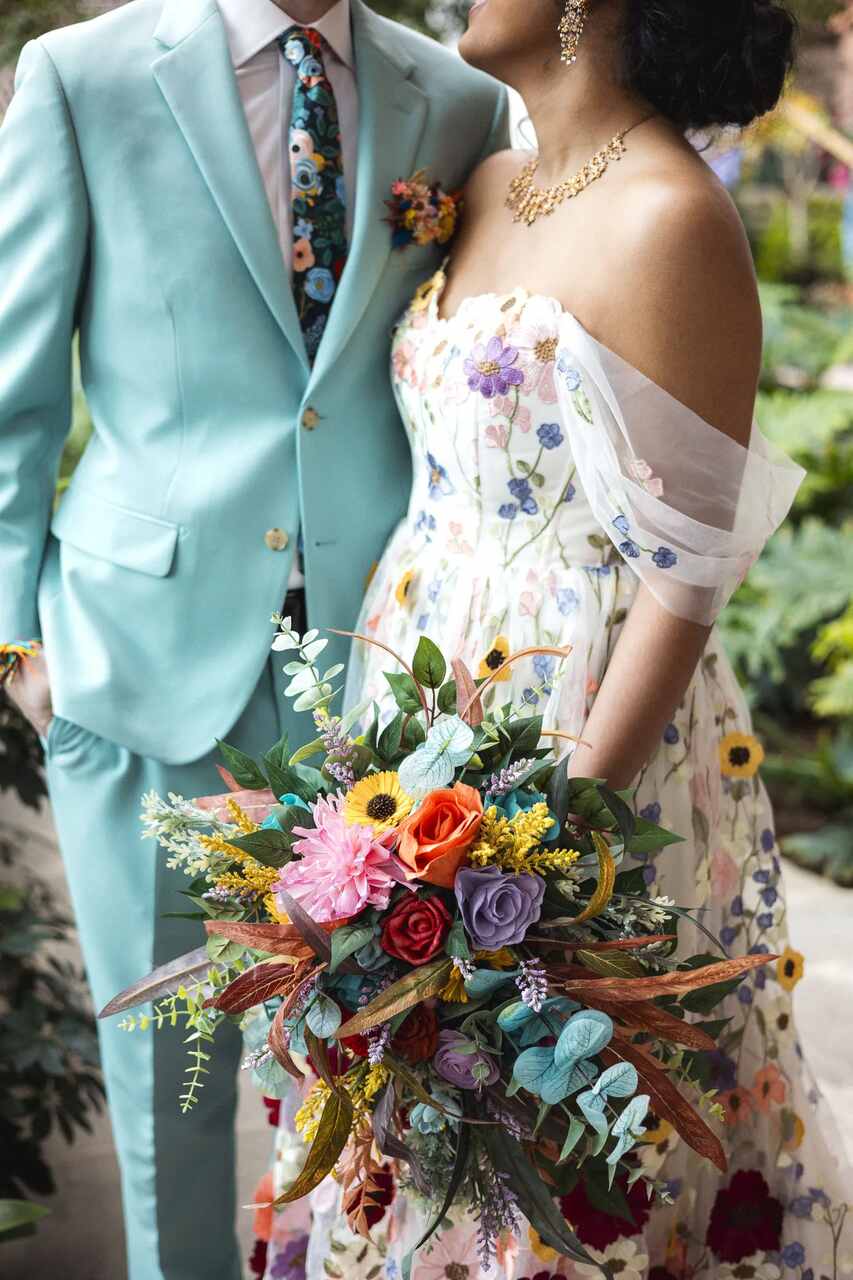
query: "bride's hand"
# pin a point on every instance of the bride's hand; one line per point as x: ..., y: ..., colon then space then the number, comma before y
x: 29, y: 690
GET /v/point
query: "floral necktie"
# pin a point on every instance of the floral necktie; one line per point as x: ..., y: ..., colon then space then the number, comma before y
x: 317, y: 185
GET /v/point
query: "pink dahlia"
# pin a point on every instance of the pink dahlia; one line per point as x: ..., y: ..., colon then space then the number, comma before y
x: 343, y: 869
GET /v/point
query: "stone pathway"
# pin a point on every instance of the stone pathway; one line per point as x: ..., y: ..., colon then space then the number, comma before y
x: 82, y: 1239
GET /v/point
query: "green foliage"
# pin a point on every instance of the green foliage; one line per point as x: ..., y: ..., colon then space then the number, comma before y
x: 22, y: 22
x: 49, y: 1073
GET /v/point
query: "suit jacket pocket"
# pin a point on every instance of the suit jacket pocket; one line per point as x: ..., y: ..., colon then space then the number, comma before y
x: 128, y: 538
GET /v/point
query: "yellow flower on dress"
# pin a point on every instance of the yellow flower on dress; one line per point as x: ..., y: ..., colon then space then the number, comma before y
x: 741, y: 755
x: 796, y: 1131
x: 789, y: 968
x: 378, y: 801
x: 542, y: 1251
x: 404, y: 586
x: 495, y: 659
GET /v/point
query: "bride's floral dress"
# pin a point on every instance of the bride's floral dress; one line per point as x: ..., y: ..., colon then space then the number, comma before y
x: 550, y: 478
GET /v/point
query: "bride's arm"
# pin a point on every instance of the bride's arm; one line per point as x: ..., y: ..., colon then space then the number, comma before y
x: 701, y: 342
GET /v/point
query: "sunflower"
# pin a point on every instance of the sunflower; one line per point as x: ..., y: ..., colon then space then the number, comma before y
x: 741, y: 755
x: 494, y: 659
x: 378, y: 801
x: 789, y: 968
x: 404, y: 586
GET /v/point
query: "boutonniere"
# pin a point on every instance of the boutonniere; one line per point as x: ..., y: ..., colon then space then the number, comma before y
x: 421, y: 212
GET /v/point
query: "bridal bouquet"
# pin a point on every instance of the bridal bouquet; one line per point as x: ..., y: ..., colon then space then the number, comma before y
x: 431, y: 927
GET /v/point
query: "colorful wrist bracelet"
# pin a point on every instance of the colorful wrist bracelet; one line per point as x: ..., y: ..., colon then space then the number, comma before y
x: 12, y: 655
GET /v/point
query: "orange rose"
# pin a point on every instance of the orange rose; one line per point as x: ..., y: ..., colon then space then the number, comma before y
x: 437, y: 836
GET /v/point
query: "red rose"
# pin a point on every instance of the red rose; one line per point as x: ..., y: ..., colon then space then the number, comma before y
x: 416, y: 929
x: 745, y: 1218
x: 598, y: 1229
x: 417, y: 1039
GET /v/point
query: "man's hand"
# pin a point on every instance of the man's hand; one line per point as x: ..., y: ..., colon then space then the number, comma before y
x: 29, y: 689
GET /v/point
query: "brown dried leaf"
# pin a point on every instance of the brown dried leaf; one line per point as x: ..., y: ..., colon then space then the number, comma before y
x: 277, y: 1041
x: 468, y: 704
x: 253, y: 987
x: 274, y: 939
x: 676, y: 983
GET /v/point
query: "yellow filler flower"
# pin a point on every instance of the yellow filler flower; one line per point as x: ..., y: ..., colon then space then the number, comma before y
x: 741, y: 755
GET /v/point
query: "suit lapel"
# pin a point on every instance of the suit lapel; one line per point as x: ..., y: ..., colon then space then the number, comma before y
x: 392, y: 115
x: 197, y: 80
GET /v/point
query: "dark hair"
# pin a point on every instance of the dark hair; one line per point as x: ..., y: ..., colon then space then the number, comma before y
x: 703, y: 63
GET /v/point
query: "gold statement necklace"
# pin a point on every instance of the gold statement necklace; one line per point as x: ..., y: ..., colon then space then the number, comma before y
x: 528, y: 202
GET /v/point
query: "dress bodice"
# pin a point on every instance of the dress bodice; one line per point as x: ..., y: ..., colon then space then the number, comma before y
x: 495, y: 478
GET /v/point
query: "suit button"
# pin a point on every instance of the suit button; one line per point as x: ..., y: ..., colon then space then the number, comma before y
x: 276, y: 539
x: 310, y: 419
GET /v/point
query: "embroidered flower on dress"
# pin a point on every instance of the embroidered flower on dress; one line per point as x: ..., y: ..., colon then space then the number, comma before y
x: 549, y: 435
x: 538, y: 344
x: 741, y: 755
x: 440, y: 484
x: 665, y: 558
x: 643, y: 474
x: 790, y: 968
x: 745, y: 1218
x: 491, y: 369
x: 523, y: 494
x: 494, y: 659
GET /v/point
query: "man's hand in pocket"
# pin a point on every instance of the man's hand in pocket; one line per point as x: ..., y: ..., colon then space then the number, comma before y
x: 29, y: 689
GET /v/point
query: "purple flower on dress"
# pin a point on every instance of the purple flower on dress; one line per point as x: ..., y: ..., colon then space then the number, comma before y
x: 665, y: 558
x: 630, y: 549
x: 671, y: 735
x: 728, y: 935
x: 570, y: 492
x: 522, y: 492
x: 571, y: 377
x: 290, y: 1261
x: 649, y: 875
x: 793, y: 1255
x: 544, y: 665
x: 769, y: 896
x: 768, y: 839
x: 497, y: 908
x: 507, y: 511
x: 490, y: 369
x: 550, y: 435
x: 425, y: 523
x: 736, y: 907
x: 651, y: 812
x: 464, y: 1070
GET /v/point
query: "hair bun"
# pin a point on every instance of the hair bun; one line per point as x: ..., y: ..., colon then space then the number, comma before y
x: 704, y: 63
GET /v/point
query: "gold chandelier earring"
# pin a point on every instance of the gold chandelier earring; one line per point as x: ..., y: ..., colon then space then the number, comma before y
x: 571, y: 29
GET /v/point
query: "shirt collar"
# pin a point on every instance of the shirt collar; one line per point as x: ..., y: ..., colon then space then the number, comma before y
x: 251, y: 25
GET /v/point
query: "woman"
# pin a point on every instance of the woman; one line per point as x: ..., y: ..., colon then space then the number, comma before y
x: 565, y: 495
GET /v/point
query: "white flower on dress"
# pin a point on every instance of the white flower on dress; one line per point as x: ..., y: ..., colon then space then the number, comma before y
x: 537, y: 346
x: 630, y: 1262
x: 656, y: 1148
x: 755, y: 1268
x: 643, y: 474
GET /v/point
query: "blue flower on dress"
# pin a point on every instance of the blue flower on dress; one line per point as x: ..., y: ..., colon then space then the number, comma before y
x: 434, y: 590
x: 570, y: 492
x: 671, y: 735
x: 425, y: 523
x: 768, y: 839
x: 529, y: 698
x: 622, y: 524
x: 522, y: 492
x: 439, y: 481
x: 651, y: 812
x: 649, y: 875
x: 508, y: 511
x: 571, y: 377
x: 745, y: 995
x: 320, y: 284
x: 727, y: 935
x: 765, y: 921
x: 423, y: 622
x: 723, y: 1071
x: 769, y: 896
x: 544, y: 665
x: 567, y: 600
x: 761, y: 876
x: 550, y: 436
x: 793, y: 1255
x: 665, y: 558
x: 630, y: 549
x: 736, y: 907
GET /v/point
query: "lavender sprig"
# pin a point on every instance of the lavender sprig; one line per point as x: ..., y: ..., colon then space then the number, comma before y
x: 532, y: 984
x: 377, y: 1042
x: 500, y: 784
x: 497, y: 1211
x: 338, y: 743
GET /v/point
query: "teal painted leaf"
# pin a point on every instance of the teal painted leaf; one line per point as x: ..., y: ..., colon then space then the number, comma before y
x: 583, y: 1036
x: 618, y: 1081
x: 323, y: 1017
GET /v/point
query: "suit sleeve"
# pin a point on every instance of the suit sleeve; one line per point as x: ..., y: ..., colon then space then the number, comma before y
x: 499, y: 134
x: 44, y: 227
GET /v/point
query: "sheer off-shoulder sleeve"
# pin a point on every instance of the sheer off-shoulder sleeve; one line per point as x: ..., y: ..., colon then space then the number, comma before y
x: 687, y: 507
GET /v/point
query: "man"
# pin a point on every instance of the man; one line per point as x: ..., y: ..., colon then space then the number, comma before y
x: 234, y: 341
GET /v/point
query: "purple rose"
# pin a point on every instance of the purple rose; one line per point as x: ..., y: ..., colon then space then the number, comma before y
x: 465, y: 1070
x: 498, y: 909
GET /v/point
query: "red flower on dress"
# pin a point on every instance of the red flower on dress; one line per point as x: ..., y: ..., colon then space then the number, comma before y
x: 745, y: 1218
x: 258, y: 1259
x: 273, y: 1106
x: 598, y: 1229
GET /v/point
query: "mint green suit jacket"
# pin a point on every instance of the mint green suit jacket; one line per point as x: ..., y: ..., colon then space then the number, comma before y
x: 132, y: 210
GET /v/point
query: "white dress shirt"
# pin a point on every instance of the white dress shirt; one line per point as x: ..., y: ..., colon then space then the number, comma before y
x: 266, y: 81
